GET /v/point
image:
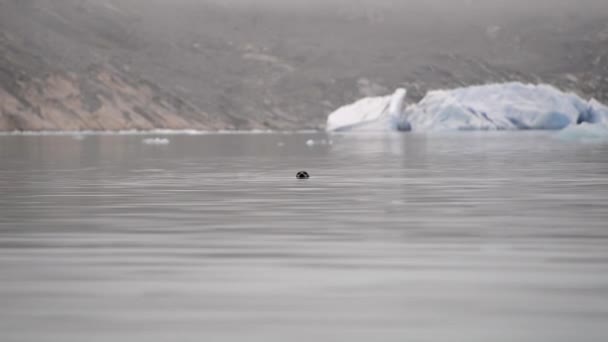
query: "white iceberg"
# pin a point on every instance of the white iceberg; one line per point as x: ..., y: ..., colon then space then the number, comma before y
x: 509, y: 106
x: 370, y: 114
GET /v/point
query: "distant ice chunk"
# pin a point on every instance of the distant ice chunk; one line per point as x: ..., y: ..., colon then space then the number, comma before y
x: 156, y: 141
x: 321, y: 142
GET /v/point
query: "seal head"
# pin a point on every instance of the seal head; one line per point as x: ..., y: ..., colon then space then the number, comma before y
x: 302, y: 175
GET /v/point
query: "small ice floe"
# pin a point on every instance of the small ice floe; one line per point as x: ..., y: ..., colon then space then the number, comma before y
x: 78, y: 137
x: 322, y: 142
x: 281, y: 144
x: 156, y: 141
x: 585, y: 133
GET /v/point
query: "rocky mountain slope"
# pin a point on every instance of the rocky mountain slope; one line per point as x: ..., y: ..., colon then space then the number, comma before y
x: 131, y: 64
x: 36, y: 96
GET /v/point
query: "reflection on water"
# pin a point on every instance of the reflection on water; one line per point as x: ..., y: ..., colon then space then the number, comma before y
x: 464, y: 237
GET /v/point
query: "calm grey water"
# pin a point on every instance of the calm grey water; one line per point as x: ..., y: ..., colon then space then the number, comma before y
x: 462, y: 237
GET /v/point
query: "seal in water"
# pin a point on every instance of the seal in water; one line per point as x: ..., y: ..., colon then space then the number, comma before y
x: 302, y: 175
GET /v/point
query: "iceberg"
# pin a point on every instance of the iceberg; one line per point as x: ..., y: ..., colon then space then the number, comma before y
x: 508, y: 106
x: 597, y: 113
x: 511, y: 106
x: 371, y: 114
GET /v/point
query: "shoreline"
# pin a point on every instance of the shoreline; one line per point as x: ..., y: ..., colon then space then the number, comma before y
x: 162, y: 132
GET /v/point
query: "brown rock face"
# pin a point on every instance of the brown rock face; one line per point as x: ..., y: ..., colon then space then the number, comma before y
x: 101, y: 99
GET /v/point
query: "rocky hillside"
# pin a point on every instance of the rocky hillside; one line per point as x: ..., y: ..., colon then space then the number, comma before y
x: 36, y: 96
x: 132, y: 64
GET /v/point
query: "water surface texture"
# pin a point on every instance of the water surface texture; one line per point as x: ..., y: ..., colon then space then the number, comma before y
x: 460, y: 237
